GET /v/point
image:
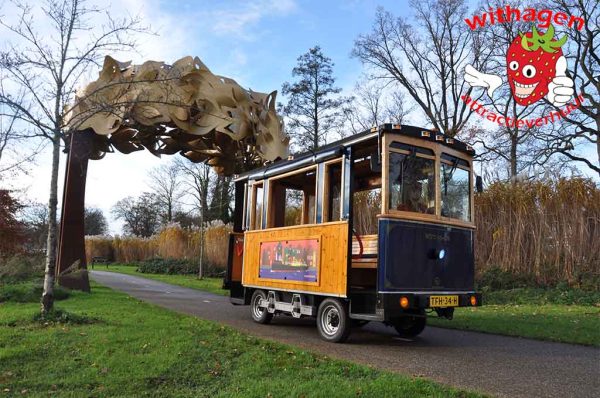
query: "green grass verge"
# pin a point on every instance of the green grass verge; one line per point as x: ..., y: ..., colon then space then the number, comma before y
x: 535, y: 313
x: 553, y: 322
x: 131, y: 348
x: 553, y: 314
x: 555, y: 295
x: 28, y: 292
x: 212, y: 285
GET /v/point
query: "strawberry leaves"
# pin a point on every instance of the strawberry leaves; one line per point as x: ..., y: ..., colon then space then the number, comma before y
x: 544, y: 41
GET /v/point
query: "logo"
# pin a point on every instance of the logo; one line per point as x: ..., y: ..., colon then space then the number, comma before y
x: 536, y: 67
x: 439, y: 238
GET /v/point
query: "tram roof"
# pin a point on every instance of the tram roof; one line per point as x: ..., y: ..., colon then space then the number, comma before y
x: 335, y: 149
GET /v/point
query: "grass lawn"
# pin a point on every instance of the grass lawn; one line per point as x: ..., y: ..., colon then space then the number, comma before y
x: 132, y: 348
x: 212, y: 285
x: 544, y: 314
x: 555, y: 322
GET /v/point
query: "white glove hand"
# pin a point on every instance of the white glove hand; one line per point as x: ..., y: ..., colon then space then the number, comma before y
x: 560, y: 89
x: 477, y: 79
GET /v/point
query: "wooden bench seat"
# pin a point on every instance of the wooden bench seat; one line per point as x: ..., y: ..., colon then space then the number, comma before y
x: 369, y: 254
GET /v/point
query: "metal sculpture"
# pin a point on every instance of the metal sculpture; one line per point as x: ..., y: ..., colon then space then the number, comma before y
x: 181, y: 108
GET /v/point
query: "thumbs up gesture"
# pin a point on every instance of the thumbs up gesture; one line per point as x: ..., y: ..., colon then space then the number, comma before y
x: 560, y: 89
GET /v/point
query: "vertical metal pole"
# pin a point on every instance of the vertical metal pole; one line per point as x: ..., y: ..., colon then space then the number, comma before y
x: 71, y: 262
x: 201, y: 265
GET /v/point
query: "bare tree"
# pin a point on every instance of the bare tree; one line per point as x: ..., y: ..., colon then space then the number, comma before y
x: 165, y: 184
x: 196, y: 181
x: 374, y: 103
x: 583, y: 53
x: 94, y: 222
x: 427, y: 59
x: 12, y: 141
x: 47, y: 67
x: 221, y: 201
x: 140, y: 215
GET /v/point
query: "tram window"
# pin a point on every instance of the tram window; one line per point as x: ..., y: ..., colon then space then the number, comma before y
x: 334, y: 189
x: 455, y: 188
x: 257, y: 206
x: 412, y: 182
x: 293, y: 200
x: 367, y: 205
x: 366, y: 198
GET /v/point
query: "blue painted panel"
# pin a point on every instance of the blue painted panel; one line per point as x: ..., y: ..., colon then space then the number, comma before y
x: 411, y: 257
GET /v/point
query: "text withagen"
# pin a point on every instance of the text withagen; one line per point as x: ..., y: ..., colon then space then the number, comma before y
x: 509, y: 14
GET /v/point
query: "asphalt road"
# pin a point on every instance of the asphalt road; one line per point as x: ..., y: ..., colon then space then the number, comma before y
x: 496, y: 365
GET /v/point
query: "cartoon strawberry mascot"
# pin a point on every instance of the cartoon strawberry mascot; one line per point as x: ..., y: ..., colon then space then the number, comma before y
x: 536, y: 68
x: 531, y: 62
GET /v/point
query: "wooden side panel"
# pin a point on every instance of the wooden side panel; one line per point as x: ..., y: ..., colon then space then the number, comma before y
x: 332, y: 259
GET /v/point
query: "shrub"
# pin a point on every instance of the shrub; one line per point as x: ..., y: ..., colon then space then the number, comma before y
x: 176, y: 267
x: 167, y: 266
x: 497, y: 279
x: 64, y: 317
x: 21, y: 267
x: 28, y: 292
x: 540, y: 296
x: 12, y: 231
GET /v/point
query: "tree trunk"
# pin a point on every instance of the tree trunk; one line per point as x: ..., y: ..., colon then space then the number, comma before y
x: 513, y: 157
x: 598, y: 138
x: 49, y: 273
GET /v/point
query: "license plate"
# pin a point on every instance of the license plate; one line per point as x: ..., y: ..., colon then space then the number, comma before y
x: 443, y: 301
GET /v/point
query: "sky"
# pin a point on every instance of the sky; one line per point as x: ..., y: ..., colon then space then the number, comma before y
x: 256, y: 43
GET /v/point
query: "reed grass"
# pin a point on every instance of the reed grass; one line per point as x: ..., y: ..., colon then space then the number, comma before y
x: 172, y: 241
x: 547, y: 230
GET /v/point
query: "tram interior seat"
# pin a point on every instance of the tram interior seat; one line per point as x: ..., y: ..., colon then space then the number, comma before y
x: 363, y: 274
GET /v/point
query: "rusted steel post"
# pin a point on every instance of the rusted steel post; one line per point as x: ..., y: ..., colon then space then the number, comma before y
x: 71, y: 269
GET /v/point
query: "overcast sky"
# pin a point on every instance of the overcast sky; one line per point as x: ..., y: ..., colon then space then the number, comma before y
x: 254, y: 42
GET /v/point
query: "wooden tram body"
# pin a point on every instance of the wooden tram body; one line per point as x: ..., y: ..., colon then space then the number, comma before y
x: 375, y: 227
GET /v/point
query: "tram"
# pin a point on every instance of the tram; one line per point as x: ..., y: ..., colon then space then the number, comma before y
x: 375, y: 227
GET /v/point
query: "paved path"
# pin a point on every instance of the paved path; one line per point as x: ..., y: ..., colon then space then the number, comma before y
x: 498, y: 365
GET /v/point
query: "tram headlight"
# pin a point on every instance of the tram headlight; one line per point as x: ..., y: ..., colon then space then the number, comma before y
x: 441, y: 254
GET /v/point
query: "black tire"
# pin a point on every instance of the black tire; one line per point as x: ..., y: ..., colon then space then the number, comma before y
x: 259, y: 315
x: 410, y: 326
x: 332, y: 321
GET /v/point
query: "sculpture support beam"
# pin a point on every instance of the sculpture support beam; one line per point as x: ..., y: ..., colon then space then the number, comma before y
x: 71, y: 267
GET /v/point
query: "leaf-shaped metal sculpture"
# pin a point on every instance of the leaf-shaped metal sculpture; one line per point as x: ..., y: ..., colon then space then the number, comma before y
x: 181, y: 108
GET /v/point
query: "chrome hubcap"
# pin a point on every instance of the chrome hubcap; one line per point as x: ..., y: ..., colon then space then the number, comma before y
x: 257, y: 311
x: 330, y: 320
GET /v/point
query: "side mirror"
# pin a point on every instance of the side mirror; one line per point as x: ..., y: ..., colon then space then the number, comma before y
x: 478, y: 184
